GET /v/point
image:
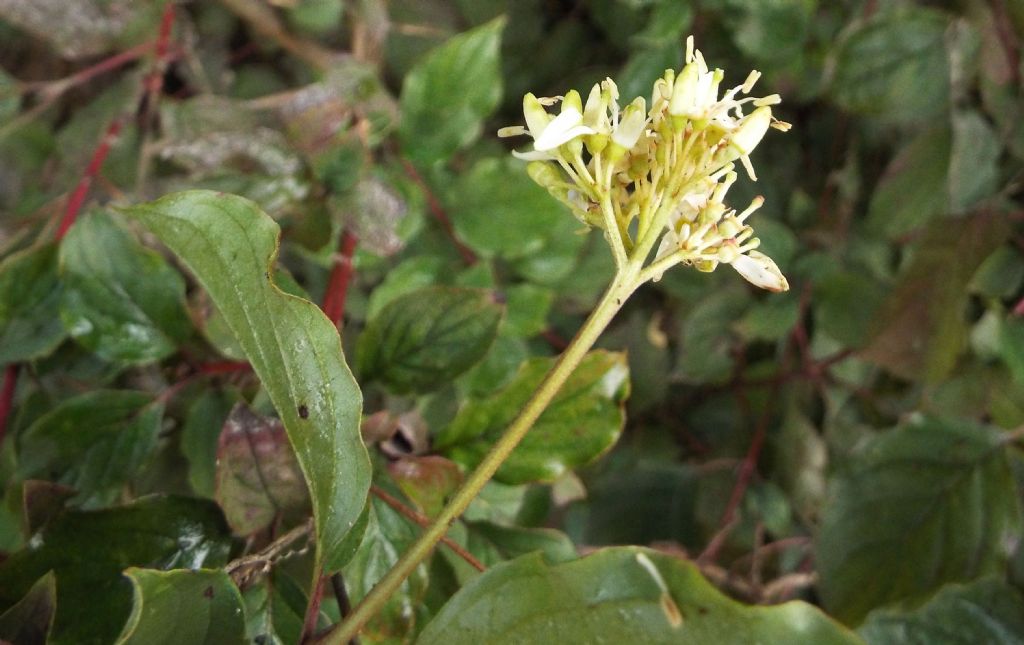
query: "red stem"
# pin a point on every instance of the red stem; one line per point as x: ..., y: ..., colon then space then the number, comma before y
x: 224, y: 367
x: 341, y: 276
x: 313, y: 610
x: 7, y: 396
x: 155, y: 80
x: 439, y: 213
x: 91, y: 171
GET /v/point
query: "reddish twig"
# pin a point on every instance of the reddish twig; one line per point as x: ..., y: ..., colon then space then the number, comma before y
x: 49, y: 90
x: 224, y: 367
x: 424, y: 522
x: 313, y: 610
x: 341, y: 277
x: 437, y: 210
x: 10, y: 384
x: 77, y: 198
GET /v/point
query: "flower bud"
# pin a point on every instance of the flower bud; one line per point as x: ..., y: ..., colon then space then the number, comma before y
x: 632, y: 124
x: 761, y: 271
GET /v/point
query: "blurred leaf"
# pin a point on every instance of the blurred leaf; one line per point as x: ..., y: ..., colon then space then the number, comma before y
x: 640, y: 504
x: 771, y: 32
x: 622, y: 594
x: 499, y: 211
x: 582, y: 422
x: 295, y: 350
x: 846, y: 305
x: 258, y: 478
x: 973, y: 167
x: 374, y: 211
x: 929, y: 503
x: 29, y: 293
x: 426, y: 480
x: 914, y: 188
x: 199, y: 437
x: 1011, y: 347
x: 493, y: 543
x: 894, y: 66
x: 88, y: 550
x: 706, y: 355
x: 120, y: 300
x: 801, y: 456
x: 1000, y: 275
x: 198, y: 607
x: 406, y: 277
x: 924, y: 316
x: 527, y: 309
x: 82, y: 28
x: 95, y: 442
x: 28, y: 621
x: 447, y: 95
x: 423, y: 339
x: 986, y: 611
x: 388, y: 536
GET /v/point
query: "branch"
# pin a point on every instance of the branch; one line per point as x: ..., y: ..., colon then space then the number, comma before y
x: 77, y: 199
x: 341, y: 276
x: 10, y: 384
x: 244, y: 569
x: 424, y: 522
x: 264, y: 22
x: 468, y: 256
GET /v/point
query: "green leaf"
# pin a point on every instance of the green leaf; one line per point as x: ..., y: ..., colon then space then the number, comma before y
x: 447, y: 95
x: 846, y: 305
x: 197, y: 607
x: 914, y: 188
x: 386, y: 539
x: 29, y: 293
x: 28, y: 621
x: 88, y: 550
x: 120, y: 300
x: 500, y: 212
x: 921, y: 328
x: 528, y: 307
x: 95, y: 442
x: 258, y: 478
x: 295, y: 350
x: 895, y: 66
x: 617, y: 595
x: 493, y: 543
x: 583, y: 421
x: 986, y: 611
x: 200, y: 434
x: 422, y: 340
x: 929, y: 503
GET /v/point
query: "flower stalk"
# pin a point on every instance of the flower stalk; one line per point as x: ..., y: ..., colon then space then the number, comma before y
x: 650, y: 179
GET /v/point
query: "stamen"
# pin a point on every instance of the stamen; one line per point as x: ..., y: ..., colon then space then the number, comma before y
x: 755, y: 204
x: 751, y: 80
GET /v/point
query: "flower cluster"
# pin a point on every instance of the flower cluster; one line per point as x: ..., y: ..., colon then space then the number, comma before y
x: 658, y: 175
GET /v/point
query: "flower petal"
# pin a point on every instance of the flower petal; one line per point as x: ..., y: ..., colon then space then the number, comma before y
x: 564, y: 128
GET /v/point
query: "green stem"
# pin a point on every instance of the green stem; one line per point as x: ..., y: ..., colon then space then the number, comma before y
x: 625, y: 283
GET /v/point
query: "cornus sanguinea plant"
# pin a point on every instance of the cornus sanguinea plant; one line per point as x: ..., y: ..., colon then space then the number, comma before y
x: 659, y: 175
x: 654, y: 181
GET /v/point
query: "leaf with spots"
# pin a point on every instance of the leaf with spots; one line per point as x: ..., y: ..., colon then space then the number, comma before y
x: 197, y: 607
x: 231, y: 245
x: 258, y: 478
x: 617, y: 595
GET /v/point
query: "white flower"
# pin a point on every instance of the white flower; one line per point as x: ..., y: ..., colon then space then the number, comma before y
x: 549, y: 133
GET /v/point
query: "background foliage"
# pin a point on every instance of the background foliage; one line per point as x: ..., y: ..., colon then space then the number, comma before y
x: 854, y: 443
